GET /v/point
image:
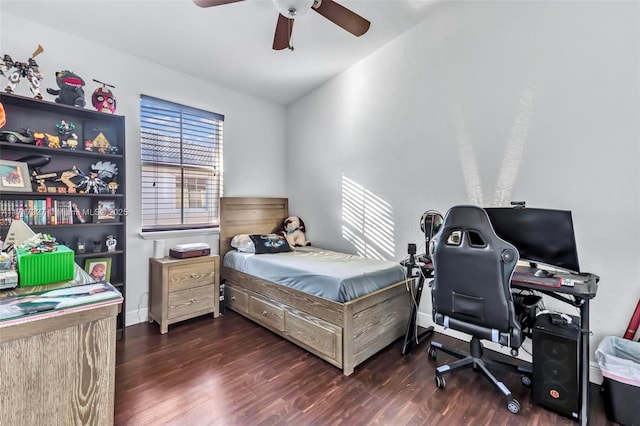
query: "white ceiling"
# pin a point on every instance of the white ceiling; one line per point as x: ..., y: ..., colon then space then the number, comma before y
x: 230, y: 44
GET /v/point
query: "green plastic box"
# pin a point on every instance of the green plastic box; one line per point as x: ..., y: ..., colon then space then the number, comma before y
x: 45, y: 268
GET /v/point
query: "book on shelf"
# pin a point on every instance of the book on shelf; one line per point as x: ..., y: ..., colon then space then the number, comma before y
x: 49, y: 211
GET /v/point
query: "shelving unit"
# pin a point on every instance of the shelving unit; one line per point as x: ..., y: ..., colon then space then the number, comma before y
x: 42, y: 116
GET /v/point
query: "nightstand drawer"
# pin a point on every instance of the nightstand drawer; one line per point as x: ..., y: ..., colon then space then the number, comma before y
x: 189, y: 276
x: 191, y: 301
x: 266, y: 313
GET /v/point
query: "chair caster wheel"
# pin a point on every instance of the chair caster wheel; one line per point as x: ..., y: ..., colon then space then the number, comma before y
x: 440, y: 383
x: 513, y: 406
x: 526, y: 380
x: 432, y: 353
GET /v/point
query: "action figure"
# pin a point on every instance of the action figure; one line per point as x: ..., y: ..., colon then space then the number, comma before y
x: 93, y: 182
x: 66, y: 131
x: 66, y: 176
x: 27, y: 69
x: 71, y: 91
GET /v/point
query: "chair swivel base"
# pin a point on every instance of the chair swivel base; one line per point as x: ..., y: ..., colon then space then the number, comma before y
x: 477, y: 363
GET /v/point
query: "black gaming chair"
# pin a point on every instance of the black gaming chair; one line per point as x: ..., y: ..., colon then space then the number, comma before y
x: 471, y: 293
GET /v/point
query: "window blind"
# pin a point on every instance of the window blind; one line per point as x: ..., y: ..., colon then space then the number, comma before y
x: 181, y: 165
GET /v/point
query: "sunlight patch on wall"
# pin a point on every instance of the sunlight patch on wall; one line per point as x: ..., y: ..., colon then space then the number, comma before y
x: 468, y: 160
x: 367, y: 221
x: 515, y: 148
x: 512, y: 157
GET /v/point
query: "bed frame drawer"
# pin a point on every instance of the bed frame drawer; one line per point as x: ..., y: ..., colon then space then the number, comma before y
x: 236, y: 299
x: 266, y: 313
x: 315, y: 333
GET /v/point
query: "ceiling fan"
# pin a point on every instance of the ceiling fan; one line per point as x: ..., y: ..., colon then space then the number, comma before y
x: 291, y: 9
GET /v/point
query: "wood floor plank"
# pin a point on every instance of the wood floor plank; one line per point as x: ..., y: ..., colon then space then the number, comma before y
x: 230, y: 371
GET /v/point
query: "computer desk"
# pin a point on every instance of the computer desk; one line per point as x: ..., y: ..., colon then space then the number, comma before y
x: 583, y: 290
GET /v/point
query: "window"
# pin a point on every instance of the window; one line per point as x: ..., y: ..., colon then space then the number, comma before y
x: 181, y: 163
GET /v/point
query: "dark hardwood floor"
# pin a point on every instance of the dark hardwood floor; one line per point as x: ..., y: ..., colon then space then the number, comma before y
x: 230, y: 371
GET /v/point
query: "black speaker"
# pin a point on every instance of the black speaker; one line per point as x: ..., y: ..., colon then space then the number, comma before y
x: 556, y: 364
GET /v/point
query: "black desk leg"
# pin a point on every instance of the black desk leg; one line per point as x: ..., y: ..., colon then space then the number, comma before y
x: 585, y: 405
x: 409, y: 337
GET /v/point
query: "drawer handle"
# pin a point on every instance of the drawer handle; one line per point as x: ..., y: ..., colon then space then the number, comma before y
x: 264, y: 313
x: 194, y: 275
x: 233, y: 298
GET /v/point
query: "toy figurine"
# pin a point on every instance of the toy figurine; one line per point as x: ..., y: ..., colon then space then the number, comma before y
x: 54, y: 141
x: 24, y: 136
x: 71, y: 91
x: 42, y: 139
x: 113, y: 187
x: 28, y: 69
x: 111, y: 243
x: 65, y: 130
x: 72, y: 144
x: 5, y: 65
x: 66, y: 176
x: 94, y: 181
x: 101, y: 143
x: 103, y: 99
x: 91, y: 183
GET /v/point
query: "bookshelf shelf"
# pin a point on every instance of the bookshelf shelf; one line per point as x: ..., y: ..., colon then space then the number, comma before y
x: 58, y: 194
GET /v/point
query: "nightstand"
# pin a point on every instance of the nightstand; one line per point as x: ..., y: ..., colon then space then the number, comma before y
x: 180, y: 289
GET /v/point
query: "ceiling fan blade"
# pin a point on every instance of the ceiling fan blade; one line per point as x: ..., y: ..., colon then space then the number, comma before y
x: 209, y: 3
x: 282, y: 36
x: 343, y: 17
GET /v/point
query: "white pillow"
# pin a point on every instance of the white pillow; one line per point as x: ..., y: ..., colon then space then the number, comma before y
x: 243, y: 243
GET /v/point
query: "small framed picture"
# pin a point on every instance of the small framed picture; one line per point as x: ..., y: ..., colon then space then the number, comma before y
x: 14, y: 176
x: 100, y: 137
x: 99, y: 268
x: 105, y: 211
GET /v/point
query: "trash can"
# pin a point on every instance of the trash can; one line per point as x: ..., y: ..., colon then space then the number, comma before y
x: 619, y: 360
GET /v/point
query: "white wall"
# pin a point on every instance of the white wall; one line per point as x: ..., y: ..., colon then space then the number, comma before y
x: 486, y: 102
x: 253, y: 130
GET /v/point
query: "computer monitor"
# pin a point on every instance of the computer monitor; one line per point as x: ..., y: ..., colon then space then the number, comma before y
x: 541, y: 235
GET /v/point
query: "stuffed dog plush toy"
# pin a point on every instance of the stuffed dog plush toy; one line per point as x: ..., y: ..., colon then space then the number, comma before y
x: 294, y: 231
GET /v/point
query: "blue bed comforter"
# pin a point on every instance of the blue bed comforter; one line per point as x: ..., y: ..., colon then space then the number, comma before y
x: 328, y: 274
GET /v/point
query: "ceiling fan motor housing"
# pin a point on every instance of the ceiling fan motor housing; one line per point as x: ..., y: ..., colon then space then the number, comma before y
x: 293, y: 8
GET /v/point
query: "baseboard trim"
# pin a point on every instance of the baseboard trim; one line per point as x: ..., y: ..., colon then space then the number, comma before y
x: 136, y: 317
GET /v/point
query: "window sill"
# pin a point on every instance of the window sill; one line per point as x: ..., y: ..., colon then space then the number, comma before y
x: 159, y: 235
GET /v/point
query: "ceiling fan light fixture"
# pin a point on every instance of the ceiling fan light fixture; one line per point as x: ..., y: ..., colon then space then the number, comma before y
x: 293, y: 8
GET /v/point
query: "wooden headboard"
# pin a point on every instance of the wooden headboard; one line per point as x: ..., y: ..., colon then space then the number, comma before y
x: 249, y: 215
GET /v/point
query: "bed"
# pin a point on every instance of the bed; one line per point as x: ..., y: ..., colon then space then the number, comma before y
x: 344, y: 334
